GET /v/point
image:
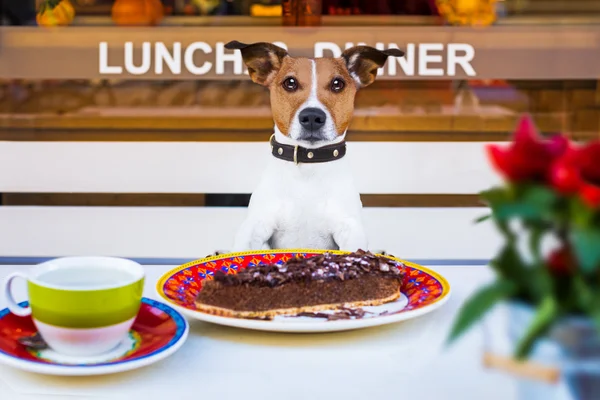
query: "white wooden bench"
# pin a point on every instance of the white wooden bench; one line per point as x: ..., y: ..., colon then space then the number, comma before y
x: 182, y: 233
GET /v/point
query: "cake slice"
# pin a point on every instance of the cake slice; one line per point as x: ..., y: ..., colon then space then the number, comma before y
x: 301, y: 285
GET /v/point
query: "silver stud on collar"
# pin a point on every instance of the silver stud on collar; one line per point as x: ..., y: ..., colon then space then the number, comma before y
x: 280, y: 151
x: 310, y: 154
x: 336, y: 153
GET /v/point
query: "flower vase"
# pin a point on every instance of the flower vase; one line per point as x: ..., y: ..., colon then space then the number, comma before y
x: 571, y: 348
x: 548, y: 212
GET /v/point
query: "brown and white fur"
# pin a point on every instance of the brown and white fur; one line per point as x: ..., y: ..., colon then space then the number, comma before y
x: 314, y: 206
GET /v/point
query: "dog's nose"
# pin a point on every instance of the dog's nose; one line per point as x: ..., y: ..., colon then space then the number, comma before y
x: 312, y: 119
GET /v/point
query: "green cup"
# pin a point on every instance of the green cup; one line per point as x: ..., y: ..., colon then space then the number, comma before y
x: 81, y: 306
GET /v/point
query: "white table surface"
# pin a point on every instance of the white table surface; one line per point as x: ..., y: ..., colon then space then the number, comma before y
x: 407, y: 360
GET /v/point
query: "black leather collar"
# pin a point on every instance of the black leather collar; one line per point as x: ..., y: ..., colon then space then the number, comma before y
x: 302, y: 155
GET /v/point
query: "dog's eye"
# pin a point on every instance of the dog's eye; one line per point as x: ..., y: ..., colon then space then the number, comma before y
x: 337, y: 85
x: 290, y: 84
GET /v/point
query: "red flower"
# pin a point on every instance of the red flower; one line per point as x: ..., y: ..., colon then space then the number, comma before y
x: 578, y: 172
x: 529, y: 157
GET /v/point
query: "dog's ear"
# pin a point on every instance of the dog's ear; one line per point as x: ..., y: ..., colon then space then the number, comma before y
x: 262, y: 59
x: 363, y: 61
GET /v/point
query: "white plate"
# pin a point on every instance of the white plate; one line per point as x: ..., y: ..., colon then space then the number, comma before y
x: 422, y: 292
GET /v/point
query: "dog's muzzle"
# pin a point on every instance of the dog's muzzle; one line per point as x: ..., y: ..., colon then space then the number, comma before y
x: 312, y: 120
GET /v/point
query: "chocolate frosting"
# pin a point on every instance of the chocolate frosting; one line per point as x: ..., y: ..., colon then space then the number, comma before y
x: 324, y: 267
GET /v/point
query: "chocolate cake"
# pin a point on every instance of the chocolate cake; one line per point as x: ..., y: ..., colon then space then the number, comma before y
x: 303, y: 285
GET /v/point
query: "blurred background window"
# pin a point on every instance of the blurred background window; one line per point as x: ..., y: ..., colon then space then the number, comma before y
x: 236, y: 109
x: 17, y: 12
x: 329, y: 7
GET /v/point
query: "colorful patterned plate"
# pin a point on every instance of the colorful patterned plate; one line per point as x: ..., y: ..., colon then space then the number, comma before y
x: 157, y: 332
x: 422, y: 292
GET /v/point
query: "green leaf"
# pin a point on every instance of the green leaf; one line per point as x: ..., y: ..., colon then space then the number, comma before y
x: 545, y: 316
x: 582, y: 294
x: 586, y: 299
x: 594, y: 312
x: 586, y: 245
x: 496, y: 196
x: 582, y: 215
x: 534, y: 282
x: 509, y: 264
x: 541, y: 196
x: 483, y: 218
x: 539, y: 283
x: 530, y: 203
x: 536, y: 232
x: 476, y: 307
x: 516, y: 210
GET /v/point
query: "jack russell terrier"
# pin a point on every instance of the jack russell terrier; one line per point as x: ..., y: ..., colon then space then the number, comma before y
x: 307, y: 197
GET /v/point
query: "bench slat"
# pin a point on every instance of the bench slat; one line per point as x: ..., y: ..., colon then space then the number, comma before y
x: 223, y: 167
x: 412, y: 233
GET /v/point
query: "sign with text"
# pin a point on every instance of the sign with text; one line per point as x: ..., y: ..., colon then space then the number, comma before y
x: 200, y: 58
x: 192, y: 53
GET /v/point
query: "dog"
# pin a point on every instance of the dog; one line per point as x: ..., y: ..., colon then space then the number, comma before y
x: 307, y: 197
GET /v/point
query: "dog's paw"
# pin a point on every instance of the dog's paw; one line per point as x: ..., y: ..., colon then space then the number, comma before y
x: 383, y: 253
x: 218, y: 253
